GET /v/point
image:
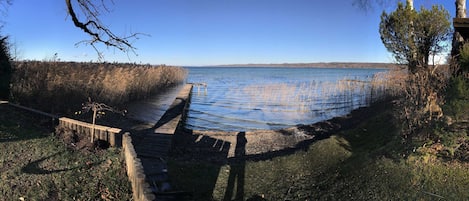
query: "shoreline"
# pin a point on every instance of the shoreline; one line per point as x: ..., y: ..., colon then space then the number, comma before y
x: 220, y: 146
x: 315, y: 65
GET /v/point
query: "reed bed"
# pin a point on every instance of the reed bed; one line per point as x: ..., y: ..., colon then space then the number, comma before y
x: 304, y: 97
x: 388, y: 84
x: 61, y: 87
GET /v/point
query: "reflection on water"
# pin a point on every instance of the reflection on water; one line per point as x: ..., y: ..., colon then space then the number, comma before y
x: 240, y: 99
x: 152, y: 109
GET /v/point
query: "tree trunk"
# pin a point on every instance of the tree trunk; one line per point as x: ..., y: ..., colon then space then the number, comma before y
x: 414, y: 63
x: 457, y: 38
x: 410, y: 3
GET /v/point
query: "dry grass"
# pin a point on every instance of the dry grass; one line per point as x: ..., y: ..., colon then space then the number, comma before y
x: 388, y: 84
x: 61, y: 87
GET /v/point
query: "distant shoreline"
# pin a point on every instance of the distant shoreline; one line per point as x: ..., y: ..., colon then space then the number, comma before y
x: 316, y: 65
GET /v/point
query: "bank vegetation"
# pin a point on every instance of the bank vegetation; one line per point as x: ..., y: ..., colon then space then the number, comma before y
x: 61, y: 87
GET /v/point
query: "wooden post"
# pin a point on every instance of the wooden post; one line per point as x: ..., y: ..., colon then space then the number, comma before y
x: 94, y: 123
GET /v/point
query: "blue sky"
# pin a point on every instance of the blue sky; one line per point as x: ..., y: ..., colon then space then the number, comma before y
x: 210, y: 32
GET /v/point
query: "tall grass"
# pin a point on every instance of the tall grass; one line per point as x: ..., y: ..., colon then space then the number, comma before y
x: 347, y: 92
x: 61, y: 87
x: 388, y: 84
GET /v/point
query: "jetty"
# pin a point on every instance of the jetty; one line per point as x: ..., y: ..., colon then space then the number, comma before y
x: 145, y: 147
x: 151, y: 146
x: 199, y: 85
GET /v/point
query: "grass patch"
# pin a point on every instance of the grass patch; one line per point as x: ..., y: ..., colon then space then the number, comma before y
x: 35, y: 165
x: 368, y: 162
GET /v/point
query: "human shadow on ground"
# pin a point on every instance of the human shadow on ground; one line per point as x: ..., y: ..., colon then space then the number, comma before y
x: 237, y: 170
x: 190, y: 148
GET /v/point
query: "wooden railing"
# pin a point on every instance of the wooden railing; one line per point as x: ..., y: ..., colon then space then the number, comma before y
x: 140, y: 187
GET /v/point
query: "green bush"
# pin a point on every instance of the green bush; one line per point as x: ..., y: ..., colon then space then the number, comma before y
x: 5, y: 69
x: 457, y: 103
x: 464, y: 57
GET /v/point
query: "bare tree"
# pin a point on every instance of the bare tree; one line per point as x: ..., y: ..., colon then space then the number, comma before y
x: 92, y: 25
x: 98, y: 110
x: 369, y: 4
x: 4, y: 6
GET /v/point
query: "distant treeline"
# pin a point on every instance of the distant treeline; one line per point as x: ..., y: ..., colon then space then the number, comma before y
x: 61, y: 87
x: 320, y: 65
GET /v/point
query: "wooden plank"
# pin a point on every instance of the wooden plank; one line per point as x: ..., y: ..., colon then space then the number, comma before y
x: 461, y: 22
x: 89, y: 125
x: 169, y: 121
x: 462, y: 26
x: 155, y: 145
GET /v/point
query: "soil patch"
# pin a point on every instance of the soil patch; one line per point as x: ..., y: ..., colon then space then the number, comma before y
x: 79, y: 141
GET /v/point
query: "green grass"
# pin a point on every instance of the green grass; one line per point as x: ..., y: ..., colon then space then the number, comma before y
x: 368, y: 162
x: 34, y: 165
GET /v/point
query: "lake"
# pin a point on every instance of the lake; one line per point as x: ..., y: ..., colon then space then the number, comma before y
x: 250, y: 98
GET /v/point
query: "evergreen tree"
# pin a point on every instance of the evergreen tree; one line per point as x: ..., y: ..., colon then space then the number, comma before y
x: 5, y: 68
x: 412, y: 36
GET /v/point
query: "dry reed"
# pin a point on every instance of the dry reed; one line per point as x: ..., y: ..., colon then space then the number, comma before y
x: 306, y: 96
x: 61, y: 87
x: 388, y: 84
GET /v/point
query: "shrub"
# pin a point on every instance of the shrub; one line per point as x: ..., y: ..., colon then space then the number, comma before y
x: 5, y: 69
x: 422, y: 91
x: 464, y: 58
x: 457, y: 97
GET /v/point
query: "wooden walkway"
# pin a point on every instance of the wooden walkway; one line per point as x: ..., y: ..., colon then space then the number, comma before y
x: 152, y: 144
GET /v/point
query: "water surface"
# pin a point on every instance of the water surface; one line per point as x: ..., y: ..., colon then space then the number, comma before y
x: 245, y: 98
x: 150, y: 110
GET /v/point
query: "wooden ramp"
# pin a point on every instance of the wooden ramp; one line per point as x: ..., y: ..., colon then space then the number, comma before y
x: 152, y: 145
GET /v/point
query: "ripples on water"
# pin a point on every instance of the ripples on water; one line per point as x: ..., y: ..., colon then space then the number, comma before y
x: 240, y: 99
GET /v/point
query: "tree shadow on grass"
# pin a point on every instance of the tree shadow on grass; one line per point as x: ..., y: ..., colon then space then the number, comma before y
x: 18, y: 135
x: 34, y: 167
x: 17, y: 125
x: 376, y: 137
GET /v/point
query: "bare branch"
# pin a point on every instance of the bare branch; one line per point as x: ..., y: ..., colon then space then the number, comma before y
x: 99, y: 107
x: 99, y: 32
x: 368, y: 5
